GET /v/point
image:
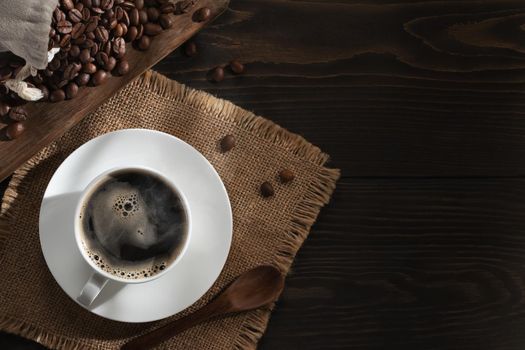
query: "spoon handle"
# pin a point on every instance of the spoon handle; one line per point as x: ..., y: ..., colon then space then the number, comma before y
x: 167, y: 331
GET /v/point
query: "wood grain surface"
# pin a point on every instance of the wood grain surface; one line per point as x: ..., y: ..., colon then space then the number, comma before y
x: 422, y: 106
x: 48, y: 121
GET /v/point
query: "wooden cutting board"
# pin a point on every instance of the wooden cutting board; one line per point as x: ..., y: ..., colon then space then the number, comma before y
x: 48, y: 121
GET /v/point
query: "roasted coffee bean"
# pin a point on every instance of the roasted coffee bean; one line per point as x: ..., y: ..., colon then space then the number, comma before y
x: 112, y: 23
x: 85, y: 56
x: 236, y: 67
x: 134, y: 17
x: 65, y: 41
x: 167, y: 8
x: 14, y: 130
x: 166, y: 21
x: 68, y: 4
x: 119, y: 47
x: 140, y: 31
x: 92, y: 24
x: 89, y: 68
x: 190, y: 49
x: 227, y: 143
x: 106, y: 4
x: 57, y: 95
x: 125, y: 19
x: 94, y: 50
x: 58, y: 15
x: 267, y: 189
x: 88, y: 44
x: 86, y: 14
x: 18, y: 114
x: 128, y: 5
x: 111, y: 64
x: 107, y: 48
x: 202, y: 15
x: 286, y: 176
x: 4, y: 109
x: 87, y: 3
x: 71, y: 90
x: 101, y: 58
x: 153, y: 14
x: 217, y: 74
x: 152, y: 29
x: 82, y: 79
x: 119, y: 30
x: 70, y: 72
x: 122, y: 67
x: 78, y: 30
x: 143, y: 17
x: 132, y: 34
x: 64, y: 27
x: 139, y: 4
x: 144, y: 43
x: 184, y: 6
x: 74, y: 16
x: 95, y: 3
x: 79, y: 6
x: 99, y: 78
x: 119, y: 13
x: 101, y: 34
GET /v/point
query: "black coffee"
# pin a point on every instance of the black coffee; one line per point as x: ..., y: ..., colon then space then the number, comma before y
x: 133, y: 224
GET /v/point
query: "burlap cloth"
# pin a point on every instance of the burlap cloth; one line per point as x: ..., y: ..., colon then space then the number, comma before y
x: 266, y: 231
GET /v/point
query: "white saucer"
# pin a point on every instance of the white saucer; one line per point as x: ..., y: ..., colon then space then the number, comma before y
x: 211, y: 237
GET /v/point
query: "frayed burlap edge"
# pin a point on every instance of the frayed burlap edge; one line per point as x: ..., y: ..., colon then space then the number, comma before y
x: 304, y: 215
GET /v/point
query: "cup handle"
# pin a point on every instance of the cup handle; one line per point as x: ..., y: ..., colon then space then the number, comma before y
x: 92, y: 289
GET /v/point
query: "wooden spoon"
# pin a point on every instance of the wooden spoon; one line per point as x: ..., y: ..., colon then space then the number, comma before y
x: 251, y: 290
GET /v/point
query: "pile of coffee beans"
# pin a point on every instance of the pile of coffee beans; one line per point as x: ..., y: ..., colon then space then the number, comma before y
x: 92, y: 37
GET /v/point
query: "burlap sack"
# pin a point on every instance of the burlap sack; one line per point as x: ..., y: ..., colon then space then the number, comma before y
x: 266, y: 231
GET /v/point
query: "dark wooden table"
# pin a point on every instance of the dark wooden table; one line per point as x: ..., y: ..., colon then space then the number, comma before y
x: 422, y: 106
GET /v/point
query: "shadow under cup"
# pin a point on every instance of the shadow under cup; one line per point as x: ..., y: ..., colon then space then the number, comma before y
x: 132, y: 225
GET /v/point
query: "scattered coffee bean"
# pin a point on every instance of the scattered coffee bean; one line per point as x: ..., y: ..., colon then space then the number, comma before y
x: 267, y: 189
x: 202, y: 15
x: 217, y: 74
x: 286, y: 175
x: 57, y: 96
x: 4, y: 109
x: 14, y: 130
x: 227, y: 143
x: 236, y: 67
x: 190, y: 49
x: 110, y: 64
x: 18, y: 114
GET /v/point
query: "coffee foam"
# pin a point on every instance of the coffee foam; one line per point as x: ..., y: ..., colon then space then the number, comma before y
x: 132, y: 218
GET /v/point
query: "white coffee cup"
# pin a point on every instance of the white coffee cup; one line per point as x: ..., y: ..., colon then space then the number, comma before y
x: 99, y: 277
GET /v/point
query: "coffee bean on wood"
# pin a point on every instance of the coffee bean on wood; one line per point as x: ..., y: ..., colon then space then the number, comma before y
x: 14, y: 130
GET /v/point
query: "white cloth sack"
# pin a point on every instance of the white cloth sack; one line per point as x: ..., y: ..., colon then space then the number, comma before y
x: 24, y: 29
